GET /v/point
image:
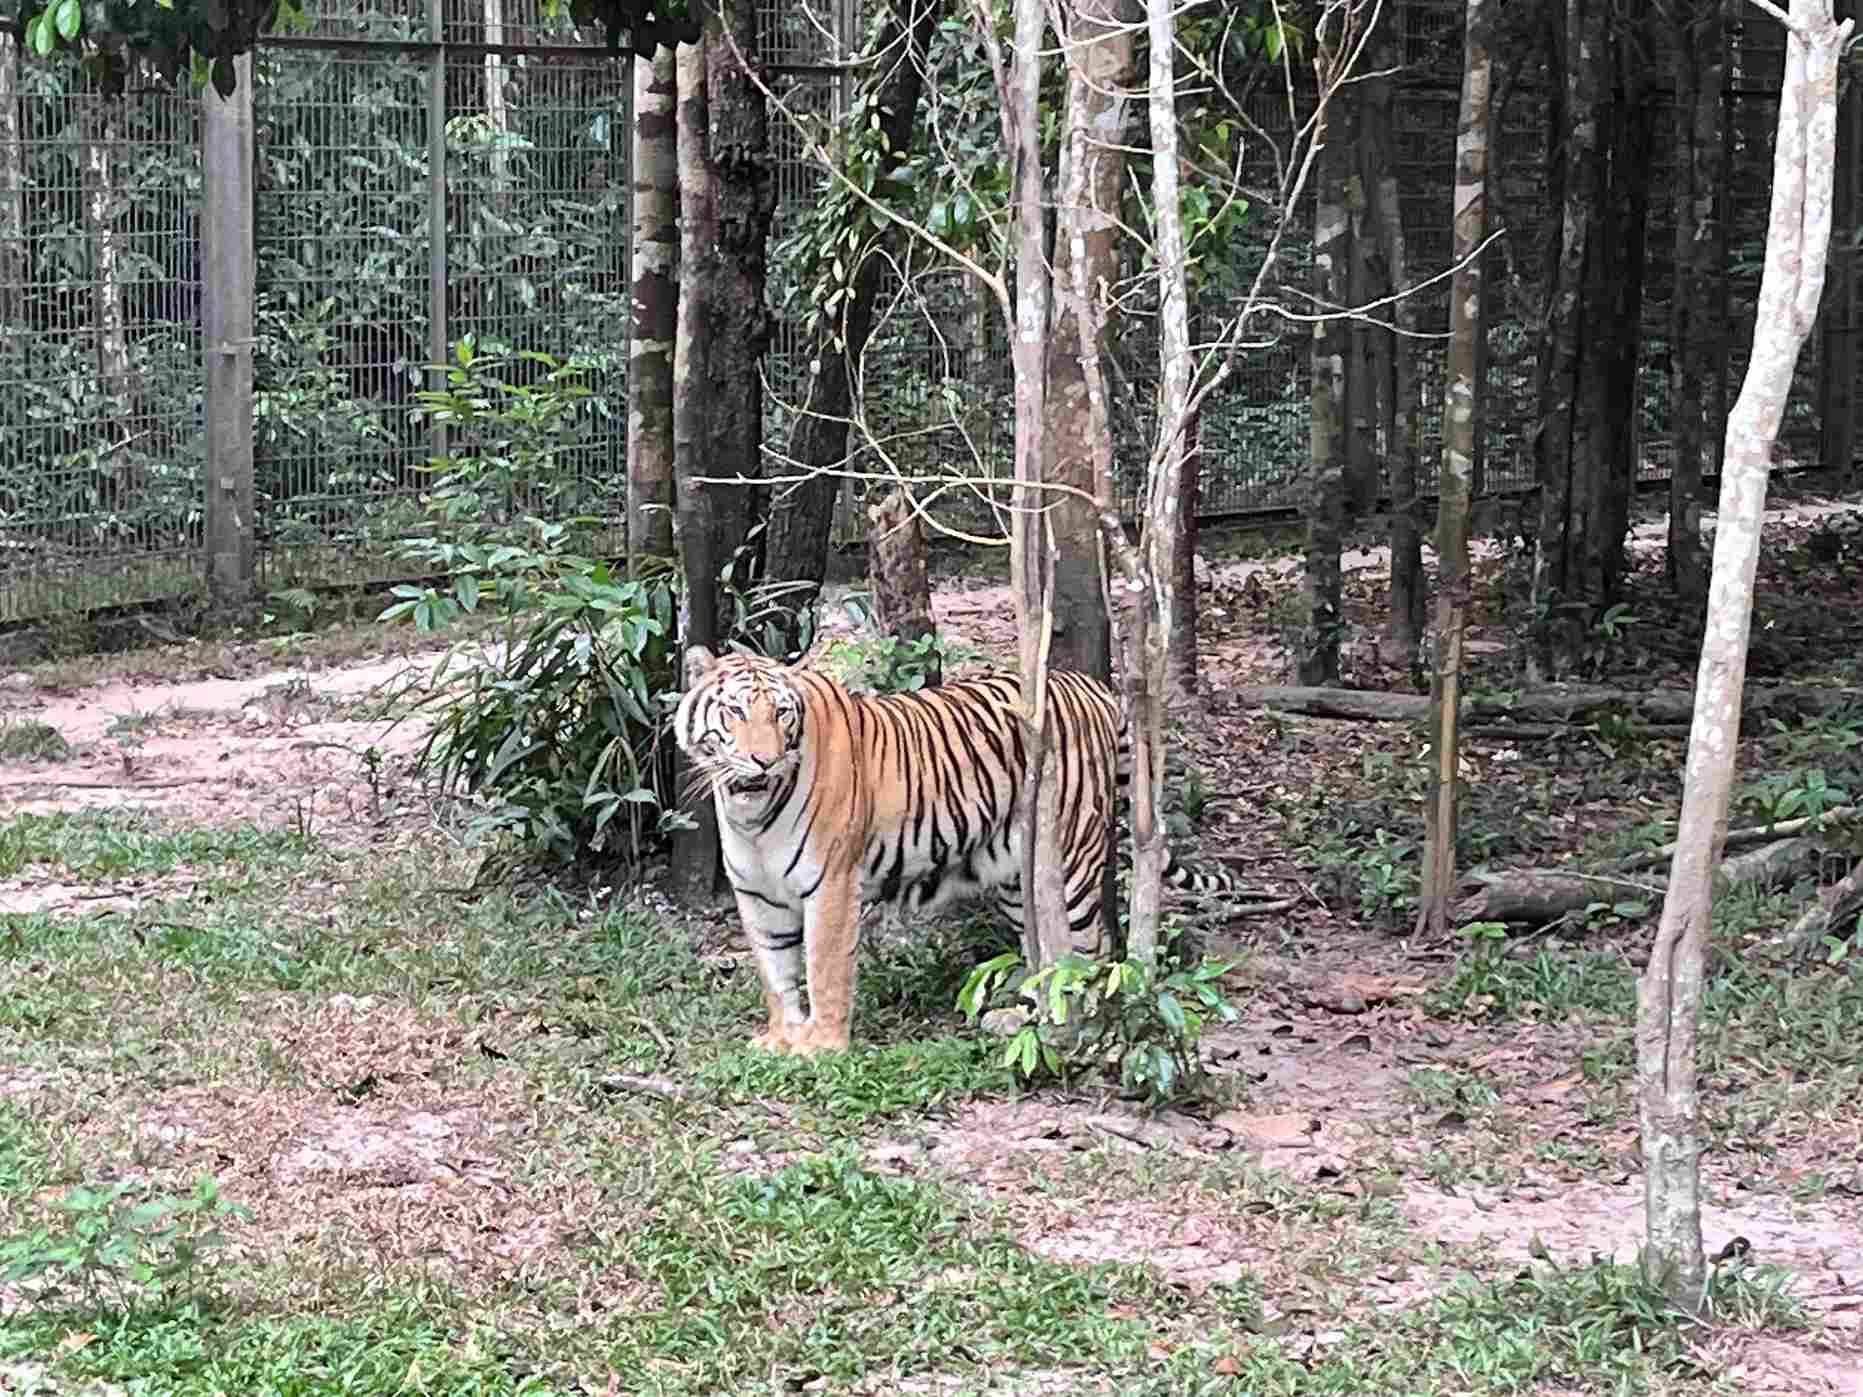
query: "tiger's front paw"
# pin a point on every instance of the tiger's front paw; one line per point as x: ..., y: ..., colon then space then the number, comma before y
x: 811, y: 1039
x: 771, y: 1040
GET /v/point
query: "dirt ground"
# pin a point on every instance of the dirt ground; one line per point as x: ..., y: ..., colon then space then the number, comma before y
x: 1327, y: 1041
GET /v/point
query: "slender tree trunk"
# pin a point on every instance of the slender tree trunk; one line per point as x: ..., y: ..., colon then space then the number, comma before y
x: 1838, y: 363
x: 1574, y: 150
x: 1697, y: 344
x: 1146, y: 659
x: 1394, y: 368
x: 1045, y: 932
x: 802, y: 515
x: 497, y: 109
x: 1361, y: 151
x: 1101, y: 53
x: 1325, y: 505
x: 1181, y: 652
x: 1610, y: 392
x: 102, y: 123
x: 655, y: 310
x: 1458, y: 471
x: 12, y: 193
x: 695, y: 850
x: 1669, y: 992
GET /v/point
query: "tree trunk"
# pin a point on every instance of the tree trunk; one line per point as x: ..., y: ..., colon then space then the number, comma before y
x: 1045, y: 932
x: 695, y: 850
x: 655, y: 308
x: 1669, y: 992
x: 1574, y: 153
x: 103, y: 124
x: 1697, y: 344
x: 1396, y: 371
x: 742, y: 173
x: 1325, y: 504
x: 1609, y: 410
x: 1101, y: 54
x: 899, y: 580
x: 802, y: 515
x: 1181, y: 651
x: 1458, y: 471
x: 1145, y: 660
x: 1837, y: 365
x: 497, y: 109
x: 12, y: 197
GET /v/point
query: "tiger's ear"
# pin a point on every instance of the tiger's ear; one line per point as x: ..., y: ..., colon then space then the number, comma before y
x: 699, y: 663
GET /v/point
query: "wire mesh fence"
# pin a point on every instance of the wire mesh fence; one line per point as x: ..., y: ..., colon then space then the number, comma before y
x: 433, y: 171
x: 99, y: 344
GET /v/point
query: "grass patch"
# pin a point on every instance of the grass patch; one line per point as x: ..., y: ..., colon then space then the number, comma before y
x: 826, y: 1274
x: 1550, y: 984
x: 866, y: 1082
x: 28, y: 739
x: 110, y: 843
x: 198, y: 1350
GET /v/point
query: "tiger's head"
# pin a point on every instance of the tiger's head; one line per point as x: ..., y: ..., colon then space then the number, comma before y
x: 740, y: 724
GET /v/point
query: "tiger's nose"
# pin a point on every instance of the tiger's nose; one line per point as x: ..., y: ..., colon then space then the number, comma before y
x: 765, y: 763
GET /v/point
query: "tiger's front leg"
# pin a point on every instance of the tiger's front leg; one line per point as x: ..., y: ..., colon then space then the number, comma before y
x: 775, y: 934
x: 831, y: 928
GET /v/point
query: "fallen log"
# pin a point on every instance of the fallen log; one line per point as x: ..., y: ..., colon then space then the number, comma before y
x: 1750, y: 834
x: 1835, y: 903
x: 1538, y: 896
x: 1554, y: 704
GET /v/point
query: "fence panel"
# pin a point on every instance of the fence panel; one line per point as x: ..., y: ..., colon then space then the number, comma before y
x: 100, y: 393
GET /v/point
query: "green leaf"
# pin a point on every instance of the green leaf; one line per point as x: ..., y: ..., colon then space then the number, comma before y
x: 1171, y: 1011
x: 68, y: 17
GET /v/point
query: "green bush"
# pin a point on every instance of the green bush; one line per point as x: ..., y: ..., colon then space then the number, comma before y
x: 559, y: 724
x: 1135, y: 1022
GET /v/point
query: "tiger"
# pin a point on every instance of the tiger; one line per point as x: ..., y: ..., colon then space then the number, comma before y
x: 829, y: 800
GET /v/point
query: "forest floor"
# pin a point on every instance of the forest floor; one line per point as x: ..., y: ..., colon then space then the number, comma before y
x: 510, y: 1141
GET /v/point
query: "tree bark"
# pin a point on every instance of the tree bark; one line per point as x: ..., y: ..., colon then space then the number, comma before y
x: 897, y: 575
x: 655, y: 308
x: 695, y: 850
x: 1045, y: 932
x: 1396, y: 375
x: 1669, y: 992
x: 802, y: 515
x: 1697, y: 345
x: 742, y: 173
x: 1457, y: 480
x: 1181, y: 651
x: 1100, y: 50
x: 1146, y: 665
x: 103, y: 131
x: 1325, y: 505
x: 1837, y: 365
x: 1574, y: 154
x: 12, y: 197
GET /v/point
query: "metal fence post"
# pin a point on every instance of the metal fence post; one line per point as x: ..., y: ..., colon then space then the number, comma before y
x: 227, y: 288
x: 436, y: 208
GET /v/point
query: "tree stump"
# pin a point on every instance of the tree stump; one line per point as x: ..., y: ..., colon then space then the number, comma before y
x: 901, y: 587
